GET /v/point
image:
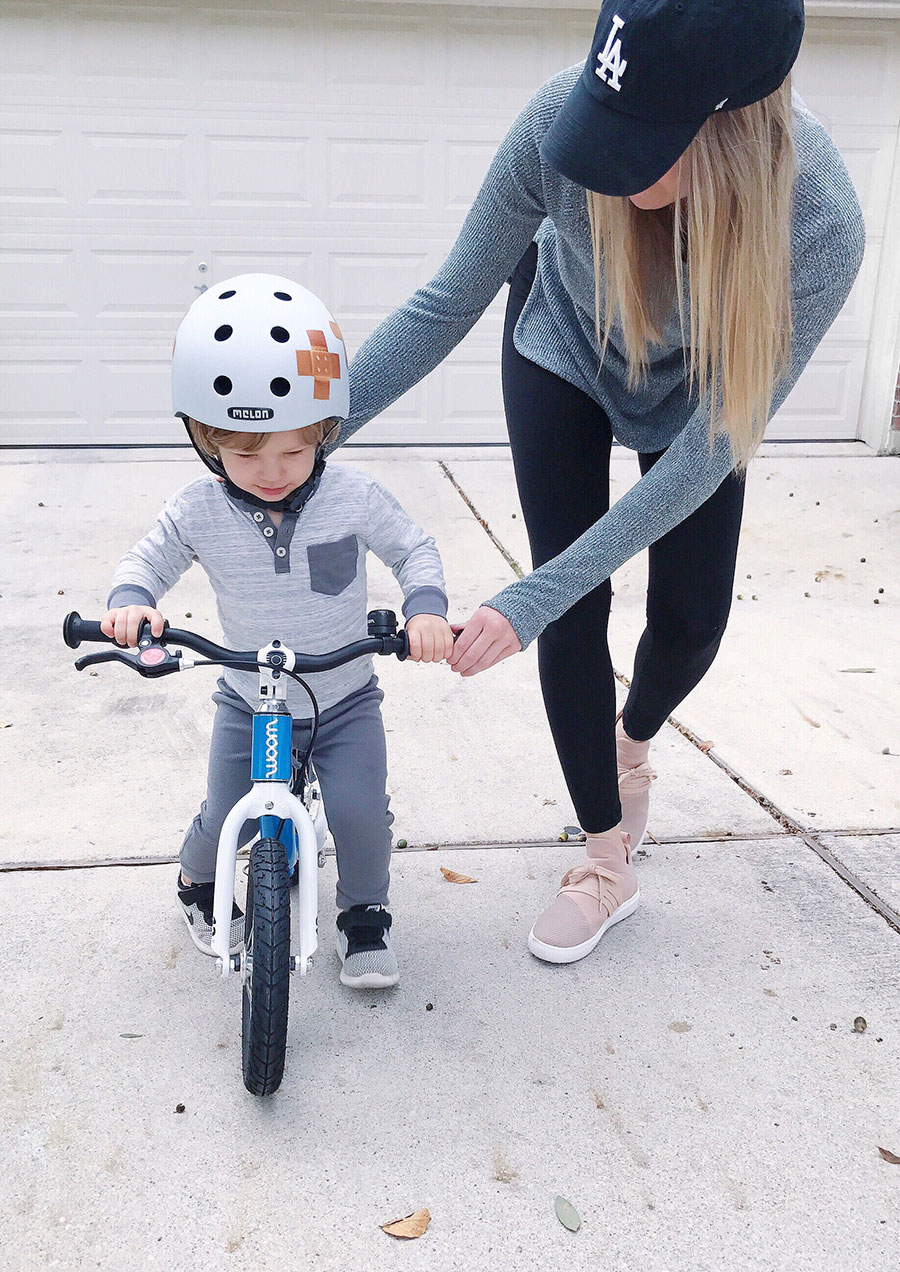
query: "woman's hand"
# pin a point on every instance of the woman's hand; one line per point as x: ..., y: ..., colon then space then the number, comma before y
x: 430, y: 638
x: 486, y: 639
x: 122, y: 624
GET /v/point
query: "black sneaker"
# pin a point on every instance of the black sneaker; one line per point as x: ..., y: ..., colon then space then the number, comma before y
x: 196, y: 905
x: 364, y: 948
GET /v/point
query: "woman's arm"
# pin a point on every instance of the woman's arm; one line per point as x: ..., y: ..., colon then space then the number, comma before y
x: 418, y: 335
x: 683, y: 478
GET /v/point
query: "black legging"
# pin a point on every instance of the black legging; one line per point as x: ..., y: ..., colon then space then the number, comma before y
x: 561, y: 442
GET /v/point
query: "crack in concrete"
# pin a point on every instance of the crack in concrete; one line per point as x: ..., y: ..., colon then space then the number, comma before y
x: 507, y: 556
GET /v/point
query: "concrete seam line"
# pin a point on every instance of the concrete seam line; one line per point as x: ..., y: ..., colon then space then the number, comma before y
x: 858, y: 834
x: 871, y: 898
x: 507, y: 556
x: 492, y: 845
x: 887, y: 912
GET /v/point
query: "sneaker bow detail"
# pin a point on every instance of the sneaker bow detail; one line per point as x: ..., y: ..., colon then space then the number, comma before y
x: 633, y: 781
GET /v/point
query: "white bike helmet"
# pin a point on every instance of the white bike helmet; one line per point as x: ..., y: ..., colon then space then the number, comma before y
x: 259, y: 354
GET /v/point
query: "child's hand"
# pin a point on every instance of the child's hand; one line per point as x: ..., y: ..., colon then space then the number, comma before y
x: 122, y: 624
x: 430, y: 638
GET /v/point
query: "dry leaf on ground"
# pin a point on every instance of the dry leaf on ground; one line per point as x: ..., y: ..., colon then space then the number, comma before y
x: 889, y: 1156
x: 567, y: 1214
x: 452, y: 877
x: 412, y: 1226
x: 705, y: 746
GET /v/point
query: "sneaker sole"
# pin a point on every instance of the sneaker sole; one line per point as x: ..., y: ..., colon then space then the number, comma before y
x: 572, y: 953
x: 371, y: 980
x: 204, y: 949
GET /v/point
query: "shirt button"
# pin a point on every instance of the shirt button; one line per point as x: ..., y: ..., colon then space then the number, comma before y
x: 281, y: 552
x: 268, y: 531
x: 258, y: 516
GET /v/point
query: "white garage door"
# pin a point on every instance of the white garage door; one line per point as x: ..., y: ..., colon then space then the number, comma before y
x: 151, y: 149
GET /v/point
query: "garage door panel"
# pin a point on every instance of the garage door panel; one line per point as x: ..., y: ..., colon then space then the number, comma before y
x: 89, y: 165
x: 339, y: 144
x: 258, y: 171
x: 31, y: 161
x: 132, y: 397
x: 471, y: 392
x: 500, y: 59
x: 253, y: 55
x: 126, y: 168
x: 138, y: 55
x: 133, y: 290
x: 31, y: 294
x: 823, y: 400
x: 369, y: 284
x: 31, y: 51
x: 409, y: 420
x: 374, y: 174
x: 76, y: 397
x: 869, y: 156
x: 847, y: 73
x: 44, y: 396
x: 380, y: 59
x: 108, y: 291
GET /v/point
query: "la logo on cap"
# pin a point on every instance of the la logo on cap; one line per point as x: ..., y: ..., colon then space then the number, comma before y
x: 611, y: 58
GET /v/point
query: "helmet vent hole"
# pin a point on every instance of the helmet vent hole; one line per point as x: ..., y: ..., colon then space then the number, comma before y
x: 280, y: 386
x: 222, y: 385
x: 224, y: 332
x: 282, y: 296
x: 227, y: 295
x: 279, y: 334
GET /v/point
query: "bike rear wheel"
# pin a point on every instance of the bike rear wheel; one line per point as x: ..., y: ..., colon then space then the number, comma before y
x: 266, y: 963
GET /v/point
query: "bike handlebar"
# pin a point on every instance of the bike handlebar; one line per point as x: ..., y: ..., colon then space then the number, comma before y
x: 383, y: 639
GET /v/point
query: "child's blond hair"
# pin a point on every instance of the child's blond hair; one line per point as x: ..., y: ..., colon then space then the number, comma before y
x: 210, y: 439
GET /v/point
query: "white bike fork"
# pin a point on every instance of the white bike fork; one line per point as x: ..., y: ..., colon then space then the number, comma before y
x: 267, y: 799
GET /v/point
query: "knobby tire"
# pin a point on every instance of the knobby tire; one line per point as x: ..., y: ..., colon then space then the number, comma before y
x: 267, y: 936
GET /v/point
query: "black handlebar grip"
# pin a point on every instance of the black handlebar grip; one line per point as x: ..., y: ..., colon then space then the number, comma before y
x: 76, y: 629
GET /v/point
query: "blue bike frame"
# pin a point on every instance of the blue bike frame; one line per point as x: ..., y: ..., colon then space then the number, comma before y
x: 271, y: 801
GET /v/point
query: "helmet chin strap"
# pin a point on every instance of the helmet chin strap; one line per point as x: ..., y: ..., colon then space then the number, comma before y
x: 293, y: 502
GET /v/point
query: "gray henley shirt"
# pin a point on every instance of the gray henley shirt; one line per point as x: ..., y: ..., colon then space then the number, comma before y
x: 302, y: 582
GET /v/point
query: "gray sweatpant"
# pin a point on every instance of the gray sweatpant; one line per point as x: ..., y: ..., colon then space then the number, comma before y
x: 350, y: 759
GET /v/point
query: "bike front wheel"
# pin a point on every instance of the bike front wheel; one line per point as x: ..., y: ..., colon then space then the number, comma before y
x: 265, y: 967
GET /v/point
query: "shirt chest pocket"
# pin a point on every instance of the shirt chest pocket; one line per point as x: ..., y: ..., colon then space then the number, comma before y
x: 333, y: 566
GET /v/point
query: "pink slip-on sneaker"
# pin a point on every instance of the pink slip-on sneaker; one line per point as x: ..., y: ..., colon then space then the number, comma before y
x: 592, y: 896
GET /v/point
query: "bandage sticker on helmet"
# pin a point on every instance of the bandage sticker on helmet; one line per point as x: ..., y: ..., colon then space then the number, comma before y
x: 259, y: 353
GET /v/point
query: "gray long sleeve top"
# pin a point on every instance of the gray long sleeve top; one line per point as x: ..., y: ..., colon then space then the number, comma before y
x: 522, y: 199
x: 302, y: 582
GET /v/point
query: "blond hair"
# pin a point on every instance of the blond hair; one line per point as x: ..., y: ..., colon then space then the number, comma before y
x: 210, y: 439
x: 736, y: 181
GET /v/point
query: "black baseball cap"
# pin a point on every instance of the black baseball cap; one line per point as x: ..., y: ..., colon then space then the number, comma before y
x: 657, y: 70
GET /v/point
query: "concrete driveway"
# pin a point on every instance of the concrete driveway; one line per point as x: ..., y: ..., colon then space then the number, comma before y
x: 697, y: 1088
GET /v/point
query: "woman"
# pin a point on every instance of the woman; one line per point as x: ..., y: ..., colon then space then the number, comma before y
x: 695, y: 235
